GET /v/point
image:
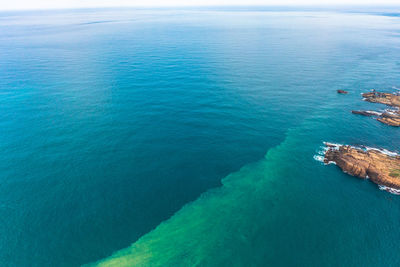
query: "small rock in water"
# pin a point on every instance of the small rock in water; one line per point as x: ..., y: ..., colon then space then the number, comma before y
x: 342, y: 92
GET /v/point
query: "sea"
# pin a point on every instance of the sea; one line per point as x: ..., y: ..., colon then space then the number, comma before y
x: 191, y: 136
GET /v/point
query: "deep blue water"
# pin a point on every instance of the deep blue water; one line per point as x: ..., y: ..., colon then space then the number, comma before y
x: 112, y: 120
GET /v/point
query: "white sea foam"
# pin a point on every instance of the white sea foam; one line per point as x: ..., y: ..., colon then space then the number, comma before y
x: 374, y: 112
x: 365, y: 148
x: 392, y: 111
x: 383, y: 151
x: 320, y: 154
x: 389, y: 189
x: 322, y: 150
x: 319, y: 158
x: 332, y: 145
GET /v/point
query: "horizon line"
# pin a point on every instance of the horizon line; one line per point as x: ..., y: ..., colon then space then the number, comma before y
x: 206, y: 6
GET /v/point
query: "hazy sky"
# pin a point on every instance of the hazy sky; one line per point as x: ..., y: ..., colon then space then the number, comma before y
x: 45, y: 4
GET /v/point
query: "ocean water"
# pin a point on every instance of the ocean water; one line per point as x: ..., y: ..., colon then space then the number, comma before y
x: 186, y: 137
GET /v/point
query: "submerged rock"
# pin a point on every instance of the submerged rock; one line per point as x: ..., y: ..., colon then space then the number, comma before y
x: 342, y: 92
x: 380, y: 166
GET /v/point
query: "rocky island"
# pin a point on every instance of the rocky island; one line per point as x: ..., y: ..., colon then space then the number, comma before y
x: 380, y: 166
x: 389, y: 116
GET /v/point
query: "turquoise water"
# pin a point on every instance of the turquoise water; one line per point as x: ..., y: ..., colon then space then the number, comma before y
x: 186, y: 137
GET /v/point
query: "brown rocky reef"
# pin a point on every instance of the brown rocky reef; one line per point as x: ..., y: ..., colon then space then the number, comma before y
x: 383, y: 98
x: 389, y: 117
x: 380, y: 166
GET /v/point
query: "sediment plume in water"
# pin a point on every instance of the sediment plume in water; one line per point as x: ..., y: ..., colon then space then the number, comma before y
x: 282, y: 210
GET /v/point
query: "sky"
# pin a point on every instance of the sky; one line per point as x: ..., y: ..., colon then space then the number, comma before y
x: 56, y: 4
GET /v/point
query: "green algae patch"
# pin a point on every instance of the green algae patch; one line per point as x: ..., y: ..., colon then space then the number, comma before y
x: 395, y: 173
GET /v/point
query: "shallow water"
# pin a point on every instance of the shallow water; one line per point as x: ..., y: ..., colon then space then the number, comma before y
x: 113, y: 120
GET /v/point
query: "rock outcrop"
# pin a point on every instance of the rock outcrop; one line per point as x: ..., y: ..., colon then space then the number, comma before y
x: 383, y: 98
x: 389, y: 117
x: 380, y: 166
